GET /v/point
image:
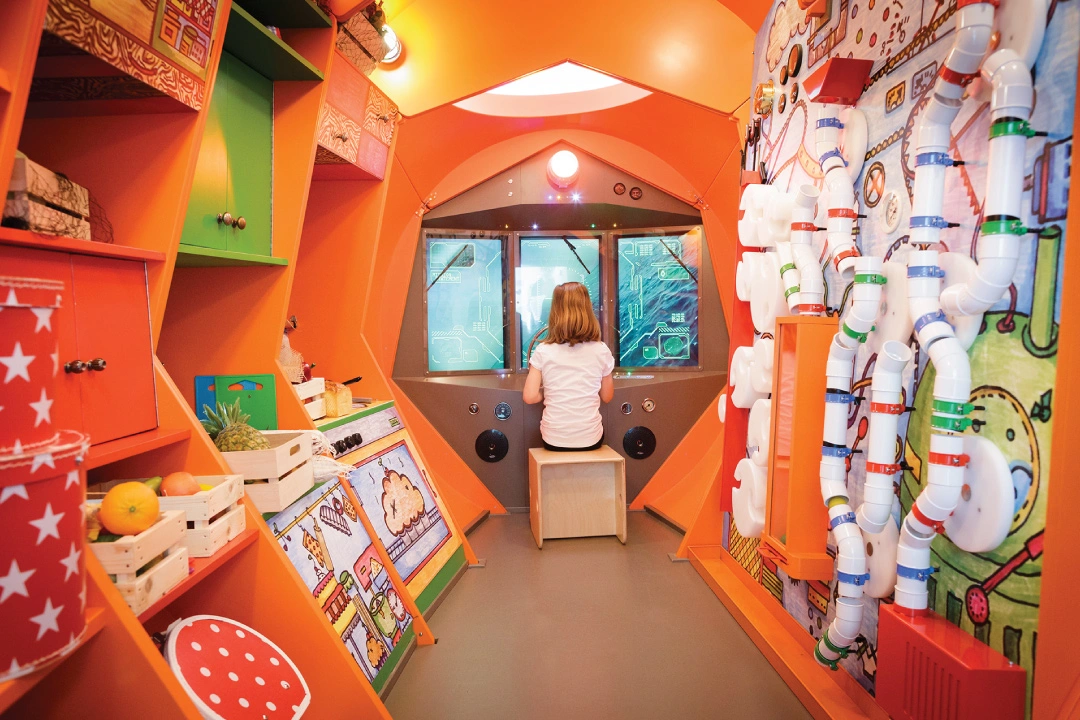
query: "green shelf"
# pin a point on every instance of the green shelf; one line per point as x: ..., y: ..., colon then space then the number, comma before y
x: 250, y: 41
x: 195, y: 256
x: 287, y: 13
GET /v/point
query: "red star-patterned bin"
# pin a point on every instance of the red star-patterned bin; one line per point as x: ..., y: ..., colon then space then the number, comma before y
x: 232, y: 672
x: 42, y: 491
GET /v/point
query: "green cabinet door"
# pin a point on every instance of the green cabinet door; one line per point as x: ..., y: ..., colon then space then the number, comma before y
x: 207, y: 197
x: 249, y: 134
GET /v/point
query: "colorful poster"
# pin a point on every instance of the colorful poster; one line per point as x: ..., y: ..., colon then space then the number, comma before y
x: 403, y: 509
x: 324, y: 538
x: 994, y: 595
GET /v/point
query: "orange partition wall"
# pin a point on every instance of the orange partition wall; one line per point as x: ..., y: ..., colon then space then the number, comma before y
x: 697, y: 49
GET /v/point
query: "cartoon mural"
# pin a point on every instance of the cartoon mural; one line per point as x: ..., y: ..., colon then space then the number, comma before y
x: 327, y: 544
x: 994, y: 595
x: 403, y: 510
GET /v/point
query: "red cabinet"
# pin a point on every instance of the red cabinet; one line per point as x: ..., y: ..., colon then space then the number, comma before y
x: 356, y: 126
x: 104, y: 359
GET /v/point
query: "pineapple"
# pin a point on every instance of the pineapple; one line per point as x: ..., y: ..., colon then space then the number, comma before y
x: 229, y: 430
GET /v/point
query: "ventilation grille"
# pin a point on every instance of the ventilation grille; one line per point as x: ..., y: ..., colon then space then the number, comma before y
x: 929, y: 669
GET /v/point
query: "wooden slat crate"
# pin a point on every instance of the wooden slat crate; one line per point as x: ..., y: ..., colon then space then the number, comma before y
x: 214, y: 517
x: 126, y: 555
x: 284, y: 472
x: 41, y: 201
x: 311, y: 392
x: 148, y: 588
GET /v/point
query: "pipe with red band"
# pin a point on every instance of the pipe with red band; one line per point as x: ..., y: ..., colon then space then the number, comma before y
x: 956, y: 78
x: 843, y: 213
x: 840, y: 257
x: 883, y: 468
x: 887, y: 408
x: 949, y: 459
x: 939, y: 527
x: 810, y: 308
x: 803, y: 227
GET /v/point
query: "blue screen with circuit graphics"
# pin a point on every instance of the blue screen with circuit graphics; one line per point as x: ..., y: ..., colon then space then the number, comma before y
x: 658, y: 300
x: 465, y: 307
x: 544, y: 263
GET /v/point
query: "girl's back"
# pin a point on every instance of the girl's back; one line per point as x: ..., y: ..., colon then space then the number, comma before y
x: 572, y: 376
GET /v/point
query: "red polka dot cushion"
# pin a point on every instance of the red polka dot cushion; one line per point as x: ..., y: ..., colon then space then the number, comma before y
x: 233, y: 672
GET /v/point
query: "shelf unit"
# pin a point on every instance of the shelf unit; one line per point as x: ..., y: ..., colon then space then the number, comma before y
x: 195, y: 256
x: 138, y: 168
x: 251, y: 41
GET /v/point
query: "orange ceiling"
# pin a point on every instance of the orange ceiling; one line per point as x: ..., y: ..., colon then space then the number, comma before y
x: 700, y: 50
x: 695, y: 139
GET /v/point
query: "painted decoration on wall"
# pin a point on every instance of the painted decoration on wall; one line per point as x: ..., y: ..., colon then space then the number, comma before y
x: 184, y: 30
x: 327, y: 544
x: 406, y: 514
x: 163, y: 43
x: 993, y: 595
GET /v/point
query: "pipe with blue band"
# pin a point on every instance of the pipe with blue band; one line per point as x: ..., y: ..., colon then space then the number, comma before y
x: 931, y: 271
x: 852, y: 579
x: 835, y: 152
x: 934, y: 221
x: 837, y: 452
x: 830, y: 122
x: 934, y: 158
x: 839, y: 397
x: 848, y: 517
x: 930, y: 317
x: 920, y: 574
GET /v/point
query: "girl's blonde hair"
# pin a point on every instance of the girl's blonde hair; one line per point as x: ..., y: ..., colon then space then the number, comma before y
x: 572, y: 319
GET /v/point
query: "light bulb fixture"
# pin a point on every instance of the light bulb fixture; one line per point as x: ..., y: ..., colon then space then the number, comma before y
x: 562, y: 169
x: 576, y: 197
x: 393, y: 43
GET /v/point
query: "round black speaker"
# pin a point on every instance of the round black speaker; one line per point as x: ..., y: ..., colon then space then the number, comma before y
x: 638, y: 442
x: 492, y: 446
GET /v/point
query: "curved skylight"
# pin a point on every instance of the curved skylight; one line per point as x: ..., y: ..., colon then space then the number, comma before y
x: 564, y: 89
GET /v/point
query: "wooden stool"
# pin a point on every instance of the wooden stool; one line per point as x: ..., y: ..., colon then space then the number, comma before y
x: 577, y: 494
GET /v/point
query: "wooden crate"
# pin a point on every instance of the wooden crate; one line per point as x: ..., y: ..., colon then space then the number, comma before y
x: 284, y: 472
x: 288, y: 449
x: 577, y: 494
x: 43, y: 202
x: 125, y: 556
x: 146, y: 589
x: 311, y: 392
x: 276, y: 494
x: 214, y: 517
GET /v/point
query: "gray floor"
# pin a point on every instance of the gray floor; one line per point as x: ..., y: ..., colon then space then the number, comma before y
x: 586, y: 628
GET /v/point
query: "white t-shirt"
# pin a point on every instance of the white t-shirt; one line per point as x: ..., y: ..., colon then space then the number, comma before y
x: 571, y: 380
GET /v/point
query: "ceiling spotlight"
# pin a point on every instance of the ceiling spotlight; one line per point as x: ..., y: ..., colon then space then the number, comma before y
x: 393, y: 43
x: 562, y: 169
x: 576, y: 197
x: 535, y: 226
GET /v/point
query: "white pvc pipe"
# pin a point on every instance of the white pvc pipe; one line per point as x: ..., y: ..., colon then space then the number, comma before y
x: 840, y: 243
x: 945, y: 466
x: 789, y: 275
x: 851, y: 574
x: 998, y: 249
x: 803, y: 226
x: 885, y: 408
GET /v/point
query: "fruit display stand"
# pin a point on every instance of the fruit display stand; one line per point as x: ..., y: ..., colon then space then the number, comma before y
x: 96, y: 142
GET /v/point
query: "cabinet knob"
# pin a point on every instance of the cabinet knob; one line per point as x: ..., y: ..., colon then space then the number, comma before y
x: 342, y: 137
x: 225, y: 217
x: 75, y: 366
x: 240, y: 223
x: 97, y: 364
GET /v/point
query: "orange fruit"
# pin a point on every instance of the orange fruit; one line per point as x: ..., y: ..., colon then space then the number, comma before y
x: 178, y: 484
x: 128, y: 509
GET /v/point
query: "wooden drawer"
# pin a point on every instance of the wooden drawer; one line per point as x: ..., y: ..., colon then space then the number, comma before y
x: 339, y: 133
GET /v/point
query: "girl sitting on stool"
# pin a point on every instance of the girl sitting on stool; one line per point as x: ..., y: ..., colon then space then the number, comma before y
x: 571, y: 372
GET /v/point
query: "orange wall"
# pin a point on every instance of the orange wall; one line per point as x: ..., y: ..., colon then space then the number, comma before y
x: 697, y: 49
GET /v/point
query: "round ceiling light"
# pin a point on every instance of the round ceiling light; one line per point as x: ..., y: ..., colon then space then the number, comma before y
x: 562, y: 169
x: 393, y: 43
